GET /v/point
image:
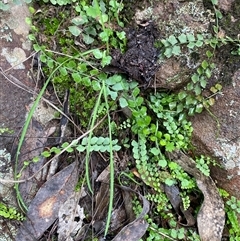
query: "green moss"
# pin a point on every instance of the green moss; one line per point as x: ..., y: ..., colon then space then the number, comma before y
x: 82, y: 103
x: 230, y: 22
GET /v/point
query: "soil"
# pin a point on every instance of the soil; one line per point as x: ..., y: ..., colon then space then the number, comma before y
x: 140, y: 59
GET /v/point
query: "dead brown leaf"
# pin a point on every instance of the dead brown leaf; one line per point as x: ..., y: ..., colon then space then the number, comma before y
x: 136, y: 229
x: 173, y: 194
x: 44, y: 208
x: 211, y: 216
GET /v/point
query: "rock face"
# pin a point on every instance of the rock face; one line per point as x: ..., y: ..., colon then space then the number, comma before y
x: 223, y: 142
x: 14, y: 50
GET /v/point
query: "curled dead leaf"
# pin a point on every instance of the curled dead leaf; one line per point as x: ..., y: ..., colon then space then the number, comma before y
x: 136, y: 229
x: 211, y: 216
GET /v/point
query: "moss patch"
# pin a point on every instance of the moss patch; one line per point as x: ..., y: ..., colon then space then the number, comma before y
x: 230, y: 22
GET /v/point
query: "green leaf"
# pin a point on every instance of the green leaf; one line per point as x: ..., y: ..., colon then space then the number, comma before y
x: 103, y: 19
x: 168, y: 52
x: 170, y: 146
x: 204, y: 64
x: 80, y: 20
x: 218, y: 87
x: 176, y: 50
x: 214, y: 2
x: 172, y: 105
x: 121, y: 35
x: 190, y: 37
x: 199, y: 108
x: 197, y: 89
x: 4, y: 7
x: 208, y: 73
x: 172, y: 40
x: 106, y: 141
x: 36, y: 47
x: 162, y: 163
x: 139, y: 101
x: 97, y: 53
x: 195, y: 78
x: 103, y: 148
x: 123, y: 102
x: 96, y: 85
x: 136, y: 92
x: 94, y: 72
x: 36, y: 159
x: 190, y: 86
x: 163, y: 142
x: 170, y: 182
x: 155, y: 151
x: 215, y: 29
x: 182, y: 95
x: 191, y: 111
x: 86, y: 81
x: 117, y: 86
x: 94, y: 140
x: 199, y: 43
x: 71, y: 64
x: 31, y: 37
x: 218, y: 14
x: 26, y: 163
x: 113, y: 80
x: 76, y: 77
x: 81, y: 148
x: 46, y: 154
x: 200, y: 70
x: 28, y: 21
x: 87, y: 39
x: 113, y: 94
x: 116, y: 148
x: 63, y: 71
x: 104, y: 36
x: 165, y: 43
x: 174, y: 233
x: 203, y: 82
x: 182, y: 38
x: 69, y: 149
x: 100, y: 140
x: 50, y: 63
x: 200, y: 37
x: 74, y: 30
x: 65, y: 144
x: 43, y: 58
x: 181, y: 234
x: 55, y: 150
x: 189, y: 100
x: 92, y: 11
x: 180, y: 108
x: 191, y: 45
x: 90, y: 31
x: 85, y: 141
x: 106, y: 60
x: 209, y: 54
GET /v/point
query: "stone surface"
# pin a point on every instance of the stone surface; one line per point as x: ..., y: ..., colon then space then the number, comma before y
x: 14, y: 66
x: 225, y: 4
x: 222, y: 143
x: 171, y: 75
